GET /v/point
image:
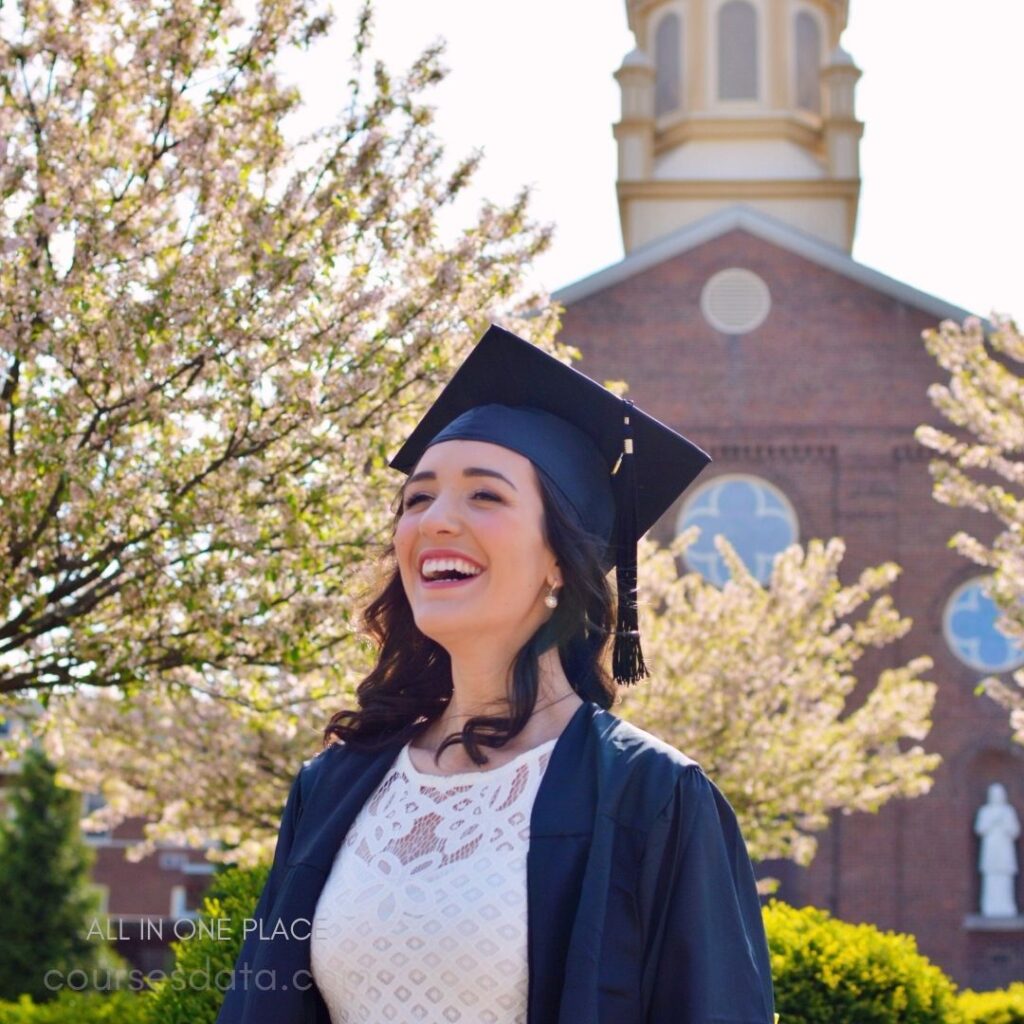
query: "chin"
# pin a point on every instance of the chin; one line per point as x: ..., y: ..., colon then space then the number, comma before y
x: 455, y: 624
x: 446, y: 625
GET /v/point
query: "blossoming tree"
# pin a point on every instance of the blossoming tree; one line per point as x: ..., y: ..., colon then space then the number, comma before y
x: 211, y: 339
x: 756, y: 682
x: 212, y: 335
x: 983, y: 468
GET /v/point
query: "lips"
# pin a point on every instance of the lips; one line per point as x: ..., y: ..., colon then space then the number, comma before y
x: 437, y: 566
x: 446, y: 555
x: 447, y: 584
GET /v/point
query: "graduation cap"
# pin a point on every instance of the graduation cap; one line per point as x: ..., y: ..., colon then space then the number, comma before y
x: 617, y: 467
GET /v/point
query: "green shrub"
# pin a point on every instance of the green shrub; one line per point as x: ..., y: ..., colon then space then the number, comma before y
x: 80, y: 1008
x: 827, y: 971
x: 190, y: 994
x: 48, y: 904
x: 1004, y: 1006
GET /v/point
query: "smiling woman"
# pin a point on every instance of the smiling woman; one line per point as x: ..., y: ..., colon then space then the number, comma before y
x: 579, y: 871
x: 476, y: 573
x: 483, y: 621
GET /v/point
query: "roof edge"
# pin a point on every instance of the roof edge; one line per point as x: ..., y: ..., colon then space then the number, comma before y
x: 769, y: 229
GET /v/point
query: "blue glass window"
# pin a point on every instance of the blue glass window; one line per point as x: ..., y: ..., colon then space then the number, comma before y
x: 755, y: 517
x: 969, y: 623
x: 808, y: 62
x: 667, y: 49
x: 737, y: 51
x: 93, y: 802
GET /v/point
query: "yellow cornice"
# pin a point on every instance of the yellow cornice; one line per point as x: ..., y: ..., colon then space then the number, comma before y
x: 632, y: 126
x: 846, y: 124
x: 804, y: 131
x: 848, y: 190
x: 744, y: 188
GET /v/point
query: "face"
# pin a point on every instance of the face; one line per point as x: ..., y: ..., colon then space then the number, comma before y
x: 475, y: 502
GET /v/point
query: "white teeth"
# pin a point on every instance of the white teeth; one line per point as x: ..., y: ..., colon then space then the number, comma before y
x: 434, y: 566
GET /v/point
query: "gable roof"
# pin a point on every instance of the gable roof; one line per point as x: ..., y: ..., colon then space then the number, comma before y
x: 771, y: 230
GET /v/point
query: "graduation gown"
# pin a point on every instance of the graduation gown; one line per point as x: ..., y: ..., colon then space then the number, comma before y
x: 641, y: 899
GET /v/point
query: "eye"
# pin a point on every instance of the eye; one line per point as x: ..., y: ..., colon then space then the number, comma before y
x: 416, y: 499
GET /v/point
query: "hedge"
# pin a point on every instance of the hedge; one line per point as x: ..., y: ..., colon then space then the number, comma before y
x: 72, y: 1007
x: 1005, y: 1006
x: 827, y: 971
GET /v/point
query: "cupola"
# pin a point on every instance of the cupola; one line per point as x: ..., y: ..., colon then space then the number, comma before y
x: 738, y: 101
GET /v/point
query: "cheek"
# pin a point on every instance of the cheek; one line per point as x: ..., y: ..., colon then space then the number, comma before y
x: 505, y: 540
x: 402, y: 532
x: 521, y: 555
x: 403, y: 539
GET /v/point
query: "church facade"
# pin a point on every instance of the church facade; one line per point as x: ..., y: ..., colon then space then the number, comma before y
x: 739, y: 317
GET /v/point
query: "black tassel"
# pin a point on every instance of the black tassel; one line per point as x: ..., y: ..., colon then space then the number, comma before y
x: 627, y: 656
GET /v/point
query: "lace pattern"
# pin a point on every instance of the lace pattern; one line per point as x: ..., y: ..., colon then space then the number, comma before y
x: 423, y: 916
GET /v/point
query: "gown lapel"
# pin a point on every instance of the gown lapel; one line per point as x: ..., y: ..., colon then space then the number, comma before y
x: 342, y: 788
x: 561, y: 830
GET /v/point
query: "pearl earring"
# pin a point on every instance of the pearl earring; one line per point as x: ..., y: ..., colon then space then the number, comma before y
x: 550, y: 600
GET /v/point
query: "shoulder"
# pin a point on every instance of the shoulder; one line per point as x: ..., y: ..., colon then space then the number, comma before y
x: 642, y: 776
x: 326, y: 759
x: 630, y: 743
x: 334, y: 769
x: 320, y: 763
x: 654, y: 789
x: 312, y: 763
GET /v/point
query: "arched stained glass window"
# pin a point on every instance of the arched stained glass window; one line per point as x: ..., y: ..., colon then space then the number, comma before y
x: 755, y: 517
x: 808, y: 62
x: 668, y: 48
x: 969, y: 623
x: 737, y: 51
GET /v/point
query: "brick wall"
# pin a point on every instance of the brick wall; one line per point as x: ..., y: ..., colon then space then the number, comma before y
x: 822, y: 400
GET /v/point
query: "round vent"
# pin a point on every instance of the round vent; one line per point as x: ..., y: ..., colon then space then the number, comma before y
x: 735, y: 301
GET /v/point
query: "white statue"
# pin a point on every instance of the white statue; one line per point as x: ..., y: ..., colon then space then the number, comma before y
x: 999, y: 827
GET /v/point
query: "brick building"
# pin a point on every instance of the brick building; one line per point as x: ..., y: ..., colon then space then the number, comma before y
x: 144, y: 905
x: 150, y: 903
x: 739, y: 317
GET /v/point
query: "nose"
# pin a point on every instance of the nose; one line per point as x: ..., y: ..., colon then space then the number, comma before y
x: 438, y: 517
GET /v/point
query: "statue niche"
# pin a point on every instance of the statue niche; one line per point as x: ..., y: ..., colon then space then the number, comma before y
x: 998, y: 827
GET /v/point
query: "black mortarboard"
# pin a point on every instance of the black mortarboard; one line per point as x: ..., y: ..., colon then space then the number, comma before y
x: 617, y: 467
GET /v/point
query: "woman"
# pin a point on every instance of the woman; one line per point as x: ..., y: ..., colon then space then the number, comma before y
x: 579, y: 871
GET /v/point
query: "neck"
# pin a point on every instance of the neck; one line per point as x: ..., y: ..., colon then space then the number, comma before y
x: 477, y: 690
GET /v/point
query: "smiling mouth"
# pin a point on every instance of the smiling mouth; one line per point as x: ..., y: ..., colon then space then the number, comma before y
x: 447, y: 580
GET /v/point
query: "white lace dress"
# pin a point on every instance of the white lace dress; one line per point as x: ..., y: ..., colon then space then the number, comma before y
x: 422, y: 919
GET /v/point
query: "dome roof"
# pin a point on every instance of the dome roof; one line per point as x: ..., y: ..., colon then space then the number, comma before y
x: 839, y: 58
x: 636, y: 58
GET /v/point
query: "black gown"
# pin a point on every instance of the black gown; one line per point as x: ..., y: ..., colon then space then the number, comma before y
x: 641, y: 900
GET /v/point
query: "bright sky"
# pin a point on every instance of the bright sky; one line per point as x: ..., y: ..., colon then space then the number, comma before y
x: 531, y: 84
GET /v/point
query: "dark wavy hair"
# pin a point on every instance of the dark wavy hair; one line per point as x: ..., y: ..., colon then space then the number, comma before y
x: 411, y: 684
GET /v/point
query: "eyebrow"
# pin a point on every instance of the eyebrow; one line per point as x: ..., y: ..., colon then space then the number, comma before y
x: 429, y: 474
